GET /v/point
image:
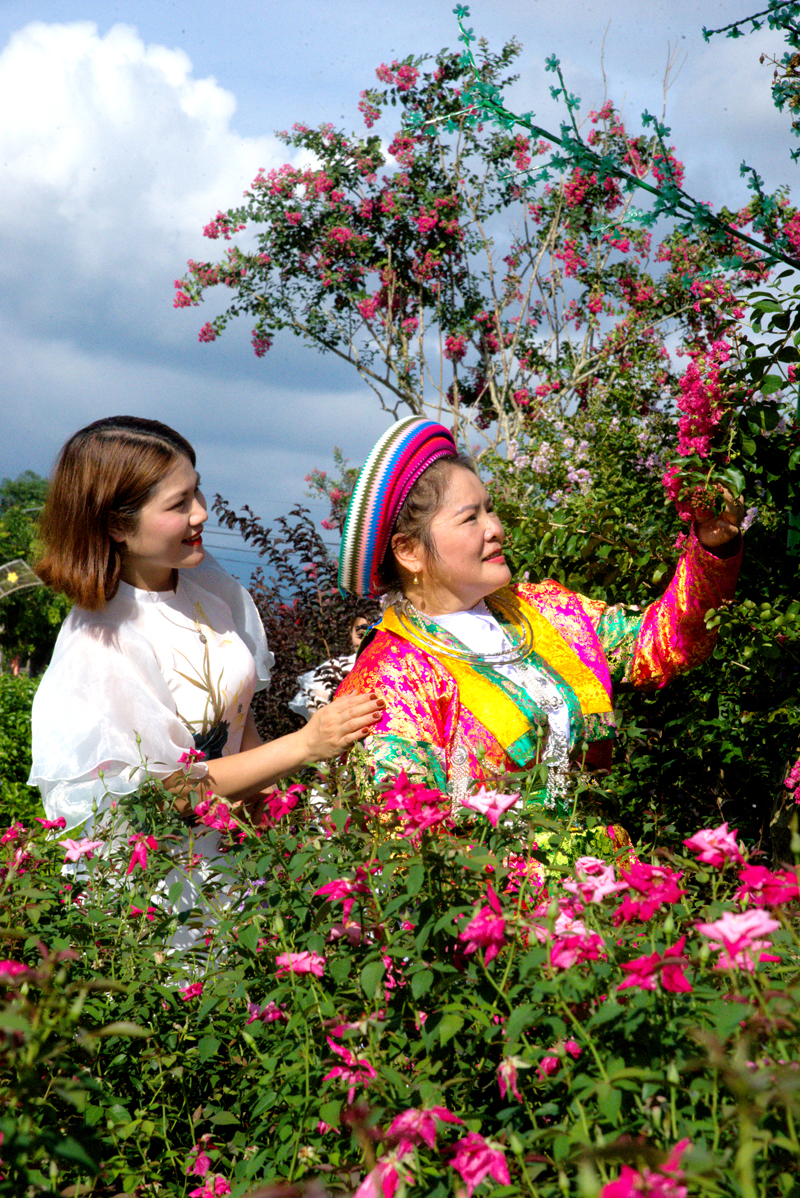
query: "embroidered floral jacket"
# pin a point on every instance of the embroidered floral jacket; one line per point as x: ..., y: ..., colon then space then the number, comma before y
x: 444, y: 721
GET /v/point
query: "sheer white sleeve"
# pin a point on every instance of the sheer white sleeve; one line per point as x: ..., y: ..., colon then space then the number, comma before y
x: 102, y: 698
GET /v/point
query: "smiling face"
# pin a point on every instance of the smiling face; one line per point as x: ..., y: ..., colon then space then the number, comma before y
x: 468, y: 538
x: 168, y: 534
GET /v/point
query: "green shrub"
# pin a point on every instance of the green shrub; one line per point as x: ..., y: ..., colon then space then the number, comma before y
x: 18, y: 801
x: 352, y: 978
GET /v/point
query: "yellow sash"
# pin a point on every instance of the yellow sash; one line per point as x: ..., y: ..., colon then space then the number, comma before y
x: 498, y: 713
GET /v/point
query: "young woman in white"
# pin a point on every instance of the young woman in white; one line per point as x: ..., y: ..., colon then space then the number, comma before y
x: 160, y: 657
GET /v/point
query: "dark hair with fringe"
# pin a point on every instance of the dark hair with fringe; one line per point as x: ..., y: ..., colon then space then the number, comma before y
x: 102, y: 479
x: 415, y: 517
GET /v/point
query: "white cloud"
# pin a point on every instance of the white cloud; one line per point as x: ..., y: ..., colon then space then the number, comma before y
x: 115, y: 159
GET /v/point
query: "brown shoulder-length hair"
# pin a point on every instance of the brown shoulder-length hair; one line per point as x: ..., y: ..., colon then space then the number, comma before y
x: 102, y: 479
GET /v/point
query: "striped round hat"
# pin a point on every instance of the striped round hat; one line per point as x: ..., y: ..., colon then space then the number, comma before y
x: 389, y: 473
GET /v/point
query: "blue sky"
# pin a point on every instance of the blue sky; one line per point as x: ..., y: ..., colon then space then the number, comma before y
x: 134, y: 122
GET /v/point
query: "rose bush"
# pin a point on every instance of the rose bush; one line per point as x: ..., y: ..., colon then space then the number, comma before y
x: 379, y: 997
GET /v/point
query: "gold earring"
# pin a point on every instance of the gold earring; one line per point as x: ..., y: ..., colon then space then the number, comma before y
x: 416, y: 580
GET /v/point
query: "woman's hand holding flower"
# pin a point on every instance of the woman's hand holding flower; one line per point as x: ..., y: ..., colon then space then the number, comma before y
x: 714, y: 531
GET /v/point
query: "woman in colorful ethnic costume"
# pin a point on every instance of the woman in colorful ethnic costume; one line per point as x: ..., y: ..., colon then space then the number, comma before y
x: 481, y: 676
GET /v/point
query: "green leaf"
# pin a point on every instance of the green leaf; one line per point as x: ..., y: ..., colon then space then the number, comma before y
x: 771, y: 384
x: 371, y: 977
x: 450, y: 1025
x: 70, y: 1150
x: 208, y: 1047
x: 609, y: 1100
x: 225, y: 1119
x: 415, y: 879
x: 339, y: 969
x: 329, y: 1112
x: 421, y: 982
x: 518, y: 1020
x: 248, y: 936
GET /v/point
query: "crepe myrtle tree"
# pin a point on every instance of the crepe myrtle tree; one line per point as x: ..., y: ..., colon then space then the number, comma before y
x: 429, y: 261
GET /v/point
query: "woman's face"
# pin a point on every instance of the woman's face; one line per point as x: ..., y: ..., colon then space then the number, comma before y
x: 168, y: 535
x: 468, y: 538
x: 357, y: 630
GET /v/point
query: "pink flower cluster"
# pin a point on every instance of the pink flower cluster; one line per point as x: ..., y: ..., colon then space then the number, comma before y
x: 261, y: 345
x: 345, y: 889
x: 190, y: 990
x: 487, y: 929
x: 215, y: 813
x: 664, y: 1182
x: 269, y: 1013
x: 650, y: 888
x: 354, y: 1072
x: 140, y: 844
x: 665, y: 968
x: 305, y: 962
x: 402, y: 75
x: 283, y: 802
x: 551, y: 1063
x: 75, y: 849
x: 701, y: 400
x: 455, y: 347
x: 221, y: 226
x: 418, y: 807
x: 715, y: 846
x: 490, y: 803
x: 738, y: 937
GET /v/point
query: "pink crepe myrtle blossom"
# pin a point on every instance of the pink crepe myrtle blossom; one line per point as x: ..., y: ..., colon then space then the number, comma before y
x: 356, y: 1071
x: 664, y: 968
x: 594, y: 880
x: 418, y: 1126
x: 664, y: 1182
x: 651, y: 887
x: 475, y: 1158
x: 737, y: 938
x: 793, y: 777
x: 190, y: 990
x: 75, y: 849
x: 305, y: 962
x: 140, y: 844
x: 715, y: 846
x: 507, y: 1076
x: 207, y: 333
x: 487, y: 929
x: 490, y: 803
x: 767, y: 888
x: 269, y: 1013
x: 47, y: 824
x: 455, y: 347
